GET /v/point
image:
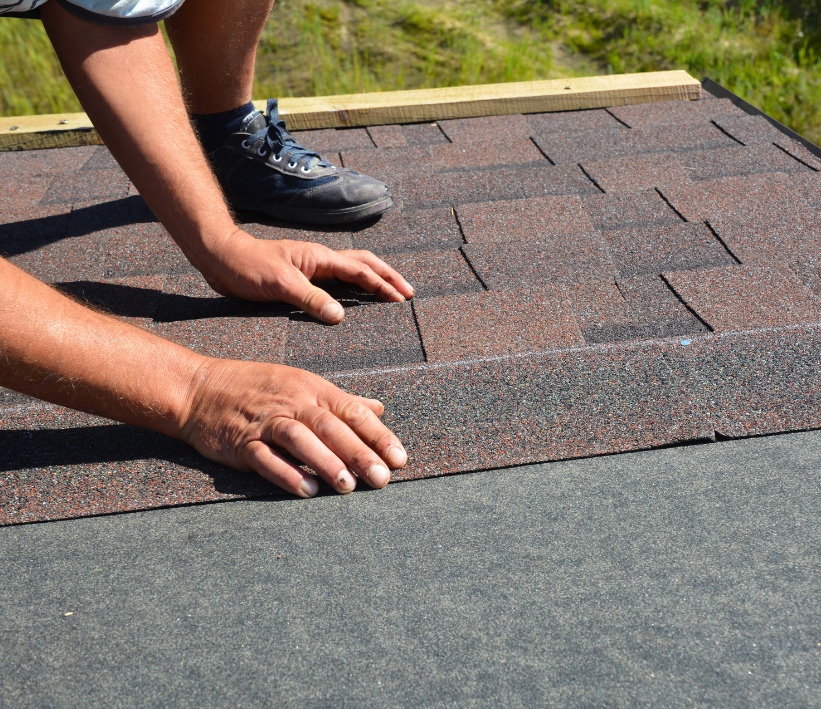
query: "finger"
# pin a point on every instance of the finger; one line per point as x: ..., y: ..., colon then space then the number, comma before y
x: 299, y: 291
x: 366, y: 425
x: 386, y: 271
x: 353, y: 270
x: 302, y: 443
x: 373, y: 404
x: 274, y: 468
x: 346, y: 444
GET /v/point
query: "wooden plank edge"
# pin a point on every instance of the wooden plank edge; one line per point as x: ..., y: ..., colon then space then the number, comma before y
x: 412, y: 106
x: 487, y: 100
x: 42, y: 140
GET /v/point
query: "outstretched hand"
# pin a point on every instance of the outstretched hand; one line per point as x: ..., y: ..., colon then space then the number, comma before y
x: 261, y: 270
x: 242, y: 414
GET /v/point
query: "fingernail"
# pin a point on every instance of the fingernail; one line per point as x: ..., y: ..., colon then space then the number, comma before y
x: 309, y: 487
x: 396, y: 457
x: 379, y: 475
x: 332, y: 312
x: 345, y: 482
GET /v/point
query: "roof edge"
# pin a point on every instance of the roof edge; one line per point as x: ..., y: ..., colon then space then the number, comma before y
x: 720, y: 91
x: 415, y: 106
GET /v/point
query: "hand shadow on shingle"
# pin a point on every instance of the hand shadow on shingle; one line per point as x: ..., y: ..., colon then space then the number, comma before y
x: 114, y: 298
x: 133, y: 302
x: 173, y: 308
x: 25, y: 450
x: 27, y: 235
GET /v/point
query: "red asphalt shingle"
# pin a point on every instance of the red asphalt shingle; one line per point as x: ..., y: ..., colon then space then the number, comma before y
x: 377, y: 335
x: 496, y: 323
x: 560, y: 311
x: 745, y: 298
x: 334, y: 140
x: 410, y: 230
x: 523, y: 219
x: 673, y: 113
x: 388, y: 136
x: 636, y: 173
x: 491, y: 130
x: 665, y: 247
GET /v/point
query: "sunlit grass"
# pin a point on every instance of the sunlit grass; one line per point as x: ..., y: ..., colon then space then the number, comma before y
x: 31, y: 80
x: 753, y: 48
x: 318, y: 47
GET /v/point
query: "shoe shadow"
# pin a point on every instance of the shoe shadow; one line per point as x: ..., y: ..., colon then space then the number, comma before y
x: 252, y: 217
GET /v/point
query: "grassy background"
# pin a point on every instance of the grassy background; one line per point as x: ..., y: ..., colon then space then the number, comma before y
x: 768, y: 52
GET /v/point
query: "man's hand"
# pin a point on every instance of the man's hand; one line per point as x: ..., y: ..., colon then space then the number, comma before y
x: 242, y: 414
x: 256, y: 269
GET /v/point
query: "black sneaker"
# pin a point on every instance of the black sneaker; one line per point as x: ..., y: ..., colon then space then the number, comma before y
x: 262, y: 168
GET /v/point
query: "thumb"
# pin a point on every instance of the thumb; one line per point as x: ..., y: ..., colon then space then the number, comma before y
x: 316, y: 302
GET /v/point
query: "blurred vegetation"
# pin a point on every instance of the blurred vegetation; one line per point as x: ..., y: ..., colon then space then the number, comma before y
x: 768, y: 52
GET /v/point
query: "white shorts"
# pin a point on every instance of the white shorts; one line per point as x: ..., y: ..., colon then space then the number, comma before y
x: 119, y: 12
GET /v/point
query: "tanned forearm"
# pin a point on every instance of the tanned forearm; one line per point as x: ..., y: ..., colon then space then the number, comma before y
x: 53, y: 348
x: 127, y: 84
x: 243, y: 414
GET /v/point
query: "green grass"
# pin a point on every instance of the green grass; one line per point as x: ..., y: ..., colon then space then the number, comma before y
x: 767, y: 52
x: 31, y: 80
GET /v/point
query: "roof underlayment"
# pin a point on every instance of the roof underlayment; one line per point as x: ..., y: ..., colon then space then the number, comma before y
x: 587, y: 282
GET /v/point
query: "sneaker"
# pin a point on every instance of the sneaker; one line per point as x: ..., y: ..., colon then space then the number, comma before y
x: 263, y: 168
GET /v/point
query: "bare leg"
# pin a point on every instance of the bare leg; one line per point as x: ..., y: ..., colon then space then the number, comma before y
x: 216, y: 44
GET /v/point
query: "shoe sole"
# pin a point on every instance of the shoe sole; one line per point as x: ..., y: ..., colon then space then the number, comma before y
x: 303, y: 215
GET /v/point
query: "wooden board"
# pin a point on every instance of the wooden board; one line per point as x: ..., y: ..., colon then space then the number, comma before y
x: 487, y: 100
x: 59, y: 130
x: 51, y: 131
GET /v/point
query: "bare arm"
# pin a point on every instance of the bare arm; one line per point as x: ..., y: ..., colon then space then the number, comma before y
x: 241, y: 414
x: 126, y: 82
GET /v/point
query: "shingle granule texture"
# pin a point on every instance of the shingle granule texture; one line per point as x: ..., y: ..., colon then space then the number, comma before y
x: 675, y: 113
x: 411, y: 229
x: 563, y: 260
x: 496, y: 323
x: 370, y: 336
x: 585, y: 283
x: 490, y: 130
x: 665, y: 247
x: 523, y: 220
x: 333, y: 140
x: 388, y: 136
x: 742, y: 298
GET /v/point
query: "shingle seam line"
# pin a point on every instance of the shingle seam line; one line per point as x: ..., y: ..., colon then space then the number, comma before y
x: 418, y: 330
x: 670, y: 204
x: 795, y: 157
x: 619, y: 120
x: 475, y: 272
x: 539, y: 148
x: 587, y: 175
x: 727, y: 133
x: 455, y: 213
x: 722, y: 242
x: 686, y: 305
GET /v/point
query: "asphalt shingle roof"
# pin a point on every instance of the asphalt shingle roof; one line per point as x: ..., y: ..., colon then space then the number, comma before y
x: 587, y: 283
